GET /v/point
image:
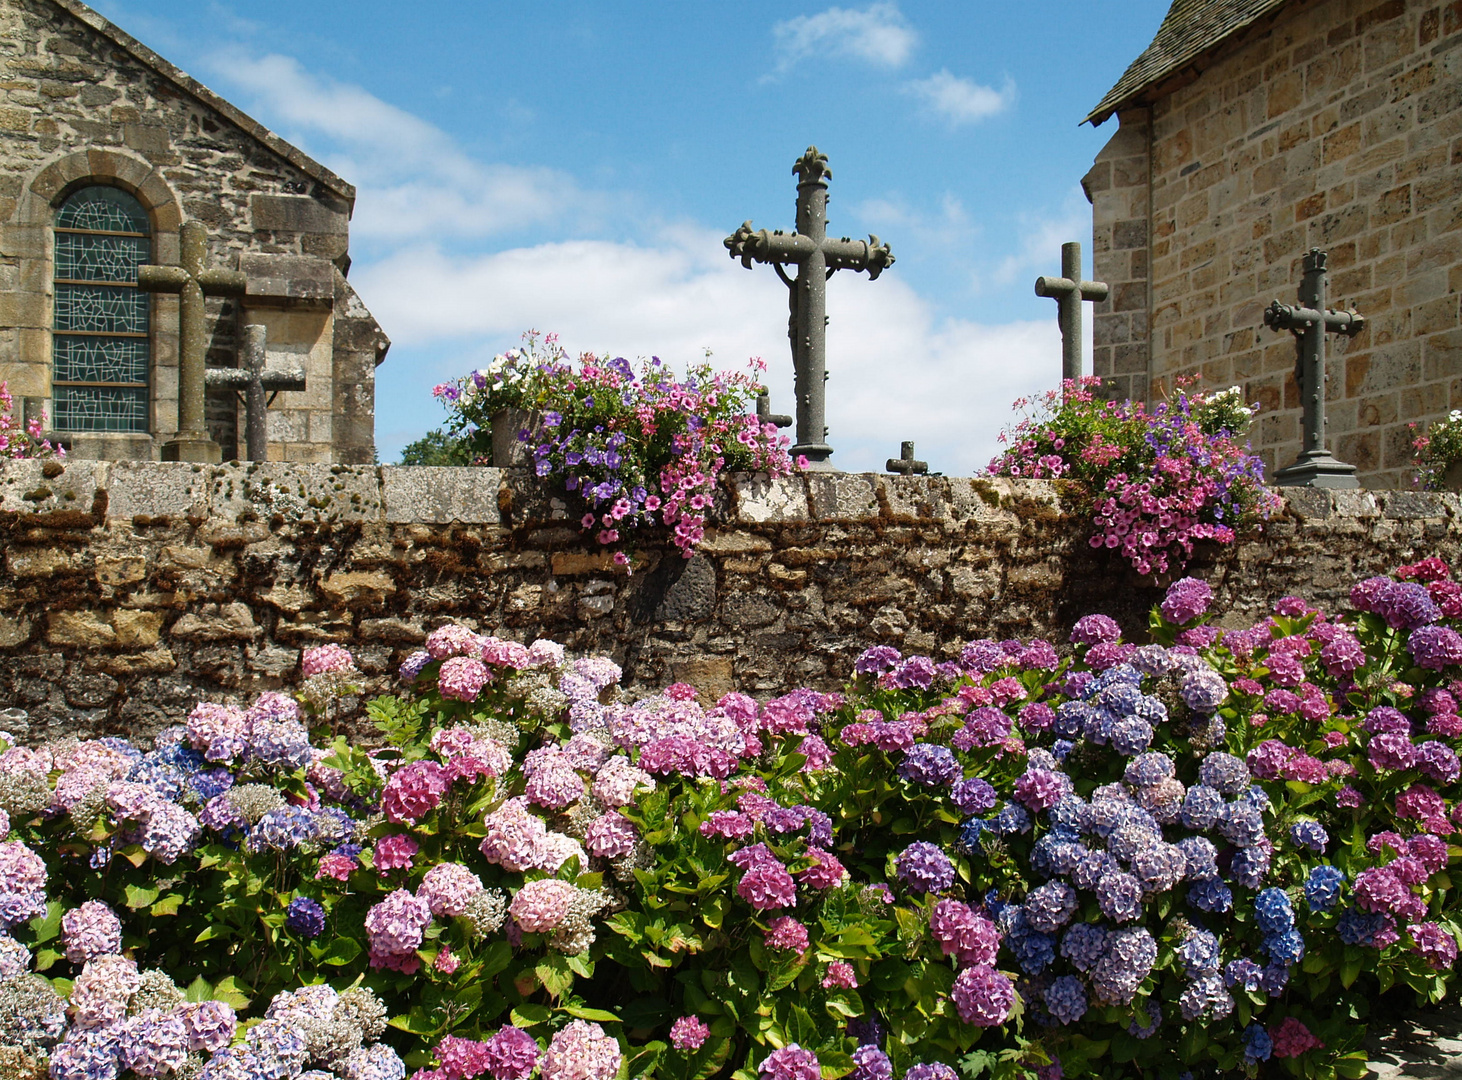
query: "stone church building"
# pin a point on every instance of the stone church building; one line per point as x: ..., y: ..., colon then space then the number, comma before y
x: 1248, y: 132
x: 105, y: 150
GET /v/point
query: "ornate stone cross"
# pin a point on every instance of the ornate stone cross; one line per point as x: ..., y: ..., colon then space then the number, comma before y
x: 816, y: 258
x: 193, y: 282
x: 1309, y: 322
x: 1069, y: 291
x: 255, y: 381
x: 905, y: 464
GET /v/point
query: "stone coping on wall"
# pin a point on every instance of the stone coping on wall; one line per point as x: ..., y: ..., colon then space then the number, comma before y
x: 71, y: 493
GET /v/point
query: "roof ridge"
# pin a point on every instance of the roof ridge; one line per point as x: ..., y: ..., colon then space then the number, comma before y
x: 1190, y: 29
x: 291, y: 153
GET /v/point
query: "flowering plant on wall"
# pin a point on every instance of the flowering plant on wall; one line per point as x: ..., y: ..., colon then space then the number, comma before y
x: 19, y: 440
x: 1436, y: 451
x: 1209, y: 853
x: 634, y: 448
x: 1155, y: 481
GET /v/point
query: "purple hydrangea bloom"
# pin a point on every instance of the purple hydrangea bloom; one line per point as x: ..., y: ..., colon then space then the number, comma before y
x: 915, y: 673
x: 1148, y: 769
x: 1187, y: 599
x: 1119, y: 895
x: 1199, y: 954
x: 1225, y: 773
x: 1095, y: 630
x: 1406, y: 605
x: 871, y: 1063
x: 1131, y: 735
x: 1050, y: 906
x: 973, y: 796
x: 930, y: 765
x: 877, y: 659
x: 1205, y: 998
x: 1438, y: 761
x: 1210, y: 894
x: 983, y: 656
x: 1203, y: 690
x: 1084, y: 944
x: 1126, y: 963
x: 924, y: 868
x: 305, y: 917
x: 1435, y: 647
x: 1250, y: 865
x: 1201, y: 856
x: 1066, y: 998
x: 1240, y: 824
x: 1201, y: 807
x: 930, y: 1070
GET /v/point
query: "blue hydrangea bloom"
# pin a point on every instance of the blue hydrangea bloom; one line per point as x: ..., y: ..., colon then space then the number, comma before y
x: 1084, y: 944
x: 1309, y: 834
x: 1066, y: 998
x: 1013, y: 818
x: 930, y: 765
x: 305, y: 917
x: 1286, y: 948
x: 1257, y: 1044
x: 971, y: 831
x: 1322, y: 887
x: 1199, y: 954
x: 1273, y: 912
x: 1201, y: 807
x: 1210, y: 894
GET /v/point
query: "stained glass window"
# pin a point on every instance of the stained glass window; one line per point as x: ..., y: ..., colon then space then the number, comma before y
x: 100, y: 354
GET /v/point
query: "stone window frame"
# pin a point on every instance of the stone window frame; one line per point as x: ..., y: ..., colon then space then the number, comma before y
x: 44, y: 196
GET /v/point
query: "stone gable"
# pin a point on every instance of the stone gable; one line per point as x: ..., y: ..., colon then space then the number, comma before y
x: 1330, y: 123
x: 81, y: 102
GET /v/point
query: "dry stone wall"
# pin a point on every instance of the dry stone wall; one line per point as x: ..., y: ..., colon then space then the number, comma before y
x: 129, y: 590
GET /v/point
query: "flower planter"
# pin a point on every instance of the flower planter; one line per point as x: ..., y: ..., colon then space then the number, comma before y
x: 508, y: 451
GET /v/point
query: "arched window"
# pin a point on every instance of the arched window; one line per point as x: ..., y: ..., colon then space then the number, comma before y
x: 100, y: 350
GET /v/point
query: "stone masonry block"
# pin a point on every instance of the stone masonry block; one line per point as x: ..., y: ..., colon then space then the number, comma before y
x: 156, y: 489
x: 441, y: 496
x: 51, y: 489
x: 266, y: 491
x: 761, y: 501
x: 296, y: 213
x: 843, y: 496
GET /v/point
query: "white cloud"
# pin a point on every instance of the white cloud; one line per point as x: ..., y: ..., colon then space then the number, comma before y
x: 961, y: 101
x: 1040, y: 244
x: 878, y: 34
x: 897, y: 371
x: 420, y: 182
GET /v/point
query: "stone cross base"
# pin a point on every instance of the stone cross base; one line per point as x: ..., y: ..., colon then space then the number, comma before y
x: 202, y: 451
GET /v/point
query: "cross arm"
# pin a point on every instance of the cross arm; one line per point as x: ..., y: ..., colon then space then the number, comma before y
x: 1055, y: 288
x: 1279, y: 316
x: 277, y: 379
x: 223, y: 378
x: 872, y: 255
x: 759, y: 245
x: 223, y: 282
x: 166, y: 279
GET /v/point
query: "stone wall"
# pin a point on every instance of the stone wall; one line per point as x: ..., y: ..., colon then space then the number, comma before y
x: 1337, y: 124
x: 130, y: 590
x: 81, y: 103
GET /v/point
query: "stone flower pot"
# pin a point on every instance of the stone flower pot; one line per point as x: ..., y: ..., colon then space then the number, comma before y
x: 508, y: 451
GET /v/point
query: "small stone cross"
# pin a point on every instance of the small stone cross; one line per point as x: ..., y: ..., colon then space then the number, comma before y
x: 1309, y: 322
x: 764, y: 414
x: 904, y: 464
x: 193, y: 282
x: 816, y: 258
x: 255, y: 381
x: 1069, y: 291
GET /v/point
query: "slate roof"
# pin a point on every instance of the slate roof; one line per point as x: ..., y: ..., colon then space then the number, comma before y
x: 1190, y: 29
x: 293, y: 154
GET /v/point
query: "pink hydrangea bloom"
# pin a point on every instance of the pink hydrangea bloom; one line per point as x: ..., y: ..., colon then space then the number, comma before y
x: 414, y: 790
x: 396, y: 925
x: 539, y: 906
x: 610, y: 835
x: 689, y: 1033
x: 462, y: 678
x: 1291, y: 1038
x: 91, y: 930
x: 511, y: 1054
x: 786, y: 932
x: 324, y: 658
x: 447, y: 888
x: 395, y: 852
x: 840, y: 975
x: 581, y: 1051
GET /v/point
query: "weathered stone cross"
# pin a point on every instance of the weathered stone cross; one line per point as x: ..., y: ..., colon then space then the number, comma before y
x: 905, y: 464
x: 1069, y: 291
x: 255, y: 381
x: 193, y: 282
x: 764, y: 414
x: 1309, y: 322
x: 816, y: 258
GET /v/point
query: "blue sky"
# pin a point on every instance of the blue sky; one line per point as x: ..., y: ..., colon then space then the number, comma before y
x: 572, y: 167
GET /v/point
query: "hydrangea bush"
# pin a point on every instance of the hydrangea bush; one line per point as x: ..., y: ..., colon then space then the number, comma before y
x: 1203, y: 855
x: 1154, y: 481
x: 634, y: 448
